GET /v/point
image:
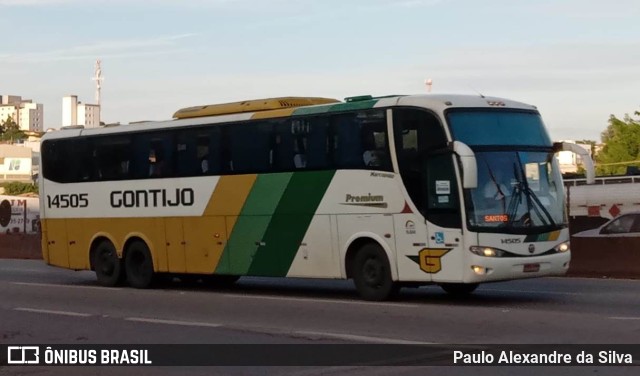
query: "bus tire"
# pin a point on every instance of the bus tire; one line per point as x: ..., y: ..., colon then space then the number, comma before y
x: 107, y: 265
x: 138, y: 265
x: 459, y: 289
x: 372, y: 273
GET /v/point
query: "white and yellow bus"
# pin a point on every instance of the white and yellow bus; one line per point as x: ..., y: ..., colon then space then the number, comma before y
x: 387, y: 191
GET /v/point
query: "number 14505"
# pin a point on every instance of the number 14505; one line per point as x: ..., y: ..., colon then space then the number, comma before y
x: 80, y: 200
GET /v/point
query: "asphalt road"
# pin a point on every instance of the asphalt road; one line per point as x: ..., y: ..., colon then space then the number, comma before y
x: 41, y: 304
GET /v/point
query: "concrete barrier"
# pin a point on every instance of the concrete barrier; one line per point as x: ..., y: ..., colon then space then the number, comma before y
x: 605, y: 257
x: 20, y: 246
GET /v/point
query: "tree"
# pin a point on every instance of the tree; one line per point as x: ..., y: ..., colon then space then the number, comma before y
x: 622, y: 144
x: 11, y: 131
x: 18, y: 188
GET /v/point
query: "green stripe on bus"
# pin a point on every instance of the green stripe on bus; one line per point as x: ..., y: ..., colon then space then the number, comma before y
x: 348, y: 106
x: 266, y: 194
x: 290, y: 223
x: 252, y: 223
x: 311, y: 110
x: 351, y: 106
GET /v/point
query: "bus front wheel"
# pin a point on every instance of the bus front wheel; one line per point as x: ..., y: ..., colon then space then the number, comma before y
x: 107, y: 265
x: 138, y: 265
x: 372, y: 273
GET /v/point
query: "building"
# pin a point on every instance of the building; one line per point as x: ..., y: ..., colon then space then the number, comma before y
x: 75, y: 112
x: 18, y: 163
x: 28, y: 115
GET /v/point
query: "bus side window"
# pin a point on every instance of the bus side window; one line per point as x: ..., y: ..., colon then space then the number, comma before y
x: 282, y: 149
x: 53, y: 157
x: 160, y: 158
x: 316, y: 147
x: 187, y: 153
x: 349, y: 147
x: 82, y: 154
x: 210, y: 153
x: 250, y: 147
x: 155, y: 155
x: 376, y: 155
x: 113, y: 158
x: 362, y: 141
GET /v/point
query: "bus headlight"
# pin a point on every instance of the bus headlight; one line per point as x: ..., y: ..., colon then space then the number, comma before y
x: 486, y: 251
x: 562, y: 247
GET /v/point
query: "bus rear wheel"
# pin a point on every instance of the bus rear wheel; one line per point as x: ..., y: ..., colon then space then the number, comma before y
x: 107, y: 265
x: 372, y: 273
x: 138, y: 265
x: 459, y: 289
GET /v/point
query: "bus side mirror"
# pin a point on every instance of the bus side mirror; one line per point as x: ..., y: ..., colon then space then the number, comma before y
x: 468, y: 163
x: 584, y: 154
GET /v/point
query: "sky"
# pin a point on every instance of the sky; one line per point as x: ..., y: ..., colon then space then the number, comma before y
x: 578, y: 61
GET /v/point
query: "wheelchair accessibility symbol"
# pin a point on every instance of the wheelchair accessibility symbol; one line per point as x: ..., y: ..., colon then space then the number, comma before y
x: 439, y: 237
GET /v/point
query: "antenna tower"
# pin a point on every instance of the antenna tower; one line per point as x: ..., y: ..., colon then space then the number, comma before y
x: 429, y: 83
x: 98, y: 79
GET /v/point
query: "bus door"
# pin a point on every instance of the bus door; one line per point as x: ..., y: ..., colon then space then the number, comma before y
x: 428, y: 233
x: 443, y: 218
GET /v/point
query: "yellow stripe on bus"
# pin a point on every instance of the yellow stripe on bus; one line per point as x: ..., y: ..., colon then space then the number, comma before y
x: 229, y: 197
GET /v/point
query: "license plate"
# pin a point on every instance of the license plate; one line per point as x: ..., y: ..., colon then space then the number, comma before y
x: 531, y: 268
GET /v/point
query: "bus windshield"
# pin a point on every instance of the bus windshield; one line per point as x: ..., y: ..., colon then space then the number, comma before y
x: 516, y: 191
x: 519, y: 183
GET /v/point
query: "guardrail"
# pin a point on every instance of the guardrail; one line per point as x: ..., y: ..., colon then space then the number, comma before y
x: 603, y: 180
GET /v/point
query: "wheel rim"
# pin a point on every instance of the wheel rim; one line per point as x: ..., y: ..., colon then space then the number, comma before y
x: 372, y: 272
x: 107, y: 266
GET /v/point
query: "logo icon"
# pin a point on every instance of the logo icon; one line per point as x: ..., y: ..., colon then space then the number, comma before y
x: 439, y: 237
x: 23, y: 355
x: 431, y: 259
x: 532, y: 248
x: 410, y: 227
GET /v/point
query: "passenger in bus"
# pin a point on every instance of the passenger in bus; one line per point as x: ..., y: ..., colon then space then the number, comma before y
x: 495, y: 187
x: 300, y: 161
x: 300, y: 158
x: 204, y: 164
x: 157, y: 164
x: 372, y: 156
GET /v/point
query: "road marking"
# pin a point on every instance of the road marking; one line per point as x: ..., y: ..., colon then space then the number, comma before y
x: 173, y: 322
x: 58, y: 285
x: 532, y: 292
x: 29, y: 271
x: 624, y: 318
x: 63, y: 313
x: 310, y: 300
x: 358, y: 338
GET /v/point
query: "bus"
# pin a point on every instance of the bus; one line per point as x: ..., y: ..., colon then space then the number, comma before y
x: 392, y: 191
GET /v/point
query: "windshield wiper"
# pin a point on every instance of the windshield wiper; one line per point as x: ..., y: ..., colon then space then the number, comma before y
x: 499, y: 194
x: 522, y: 187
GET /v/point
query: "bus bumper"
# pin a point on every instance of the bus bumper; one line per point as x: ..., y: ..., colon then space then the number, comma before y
x: 487, y: 269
